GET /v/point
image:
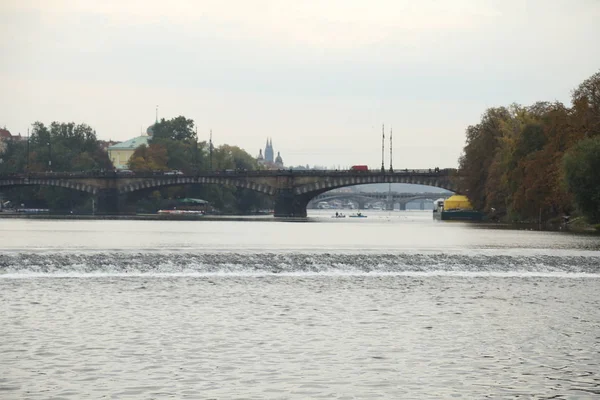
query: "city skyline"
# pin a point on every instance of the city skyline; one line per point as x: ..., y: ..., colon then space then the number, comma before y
x: 320, y: 78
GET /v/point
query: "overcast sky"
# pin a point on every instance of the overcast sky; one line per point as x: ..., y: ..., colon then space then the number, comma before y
x: 318, y: 76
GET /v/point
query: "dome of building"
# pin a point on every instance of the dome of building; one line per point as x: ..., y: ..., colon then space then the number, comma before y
x: 279, y: 160
x: 260, y: 156
x: 150, y: 130
x: 457, y: 202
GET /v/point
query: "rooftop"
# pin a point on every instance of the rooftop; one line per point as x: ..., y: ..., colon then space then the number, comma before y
x: 4, y: 133
x: 131, y: 144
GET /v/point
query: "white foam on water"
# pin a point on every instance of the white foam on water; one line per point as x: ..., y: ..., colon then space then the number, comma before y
x: 464, y: 264
x: 260, y: 274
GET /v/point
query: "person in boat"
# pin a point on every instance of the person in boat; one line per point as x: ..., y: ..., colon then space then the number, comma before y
x: 336, y: 214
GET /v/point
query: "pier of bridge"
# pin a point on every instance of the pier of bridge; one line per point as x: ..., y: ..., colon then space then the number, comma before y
x: 290, y: 189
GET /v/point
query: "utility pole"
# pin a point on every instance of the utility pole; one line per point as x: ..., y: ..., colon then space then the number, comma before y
x: 196, y: 151
x: 49, y: 154
x: 391, y: 167
x: 210, y: 151
x: 382, y: 147
x: 27, y: 168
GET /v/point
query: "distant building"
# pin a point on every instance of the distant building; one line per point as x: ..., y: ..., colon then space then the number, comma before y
x: 269, y: 161
x: 279, y: 160
x: 105, y: 144
x: 120, y: 153
x: 269, y: 151
x: 6, y: 135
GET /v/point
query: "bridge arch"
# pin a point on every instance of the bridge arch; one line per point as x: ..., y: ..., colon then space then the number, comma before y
x: 67, y: 184
x: 159, y: 182
x: 321, y: 186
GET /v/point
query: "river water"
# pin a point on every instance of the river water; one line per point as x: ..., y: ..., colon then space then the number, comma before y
x: 393, y: 306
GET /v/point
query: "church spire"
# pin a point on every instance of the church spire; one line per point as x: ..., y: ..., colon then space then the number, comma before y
x: 269, y: 150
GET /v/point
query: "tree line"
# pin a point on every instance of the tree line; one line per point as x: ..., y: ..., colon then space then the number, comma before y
x: 175, y: 146
x: 70, y: 147
x: 57, y: 147
x: 526, y: 163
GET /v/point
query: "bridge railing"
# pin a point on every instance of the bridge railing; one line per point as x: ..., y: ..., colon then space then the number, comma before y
x: 229, y: 173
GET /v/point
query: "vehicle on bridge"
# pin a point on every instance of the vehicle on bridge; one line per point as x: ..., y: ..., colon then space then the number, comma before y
x: 174, y: 172
x: 361, y: 168
x: 323, y: 205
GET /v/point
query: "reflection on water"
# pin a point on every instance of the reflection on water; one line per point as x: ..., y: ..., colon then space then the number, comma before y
x: 391, y: 306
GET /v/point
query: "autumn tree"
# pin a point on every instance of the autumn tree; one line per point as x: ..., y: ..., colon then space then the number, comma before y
x: 512, y: 162
x: 581, y: 166
x: 149, y: 158
x: 483, y: 141
x: 586, y: 102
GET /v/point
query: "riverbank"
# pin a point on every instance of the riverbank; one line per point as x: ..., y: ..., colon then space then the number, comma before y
x: 577, y: 225
x: 137, y: 217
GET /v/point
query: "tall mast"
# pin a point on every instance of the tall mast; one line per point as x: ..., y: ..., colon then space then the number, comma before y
x: 210, y: 150
x: 391, y: 167
x: 196, y: 149
x: 27, y: 149
x: 382, y: 147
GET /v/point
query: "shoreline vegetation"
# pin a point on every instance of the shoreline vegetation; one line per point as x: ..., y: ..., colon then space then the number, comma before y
x: 537, y: 164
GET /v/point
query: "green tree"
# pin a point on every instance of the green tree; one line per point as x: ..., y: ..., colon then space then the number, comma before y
x: 233, y: 157
x: 581, y: 165
x: 179, y: 128
x: 149, y: 158
x: 71, y: 147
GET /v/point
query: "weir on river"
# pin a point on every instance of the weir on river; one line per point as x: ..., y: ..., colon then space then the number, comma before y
x: 269, y: 308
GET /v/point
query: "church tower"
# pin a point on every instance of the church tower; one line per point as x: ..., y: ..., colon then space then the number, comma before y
x: 269, y: 156
x: 279, y: 160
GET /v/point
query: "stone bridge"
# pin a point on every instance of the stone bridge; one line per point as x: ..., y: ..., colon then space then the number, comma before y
x: 389, y: 198
x: 291, y: 189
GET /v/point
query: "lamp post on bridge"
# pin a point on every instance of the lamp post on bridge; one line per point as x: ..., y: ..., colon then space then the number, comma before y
x: 49, y: 155
x: 210, y: 151
x: 27, y: 166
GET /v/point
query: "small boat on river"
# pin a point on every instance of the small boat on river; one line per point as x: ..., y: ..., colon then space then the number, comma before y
x: 358, y: 215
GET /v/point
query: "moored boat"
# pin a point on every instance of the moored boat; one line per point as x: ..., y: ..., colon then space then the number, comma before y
x: 181, y: 212
x: 456, y: 208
